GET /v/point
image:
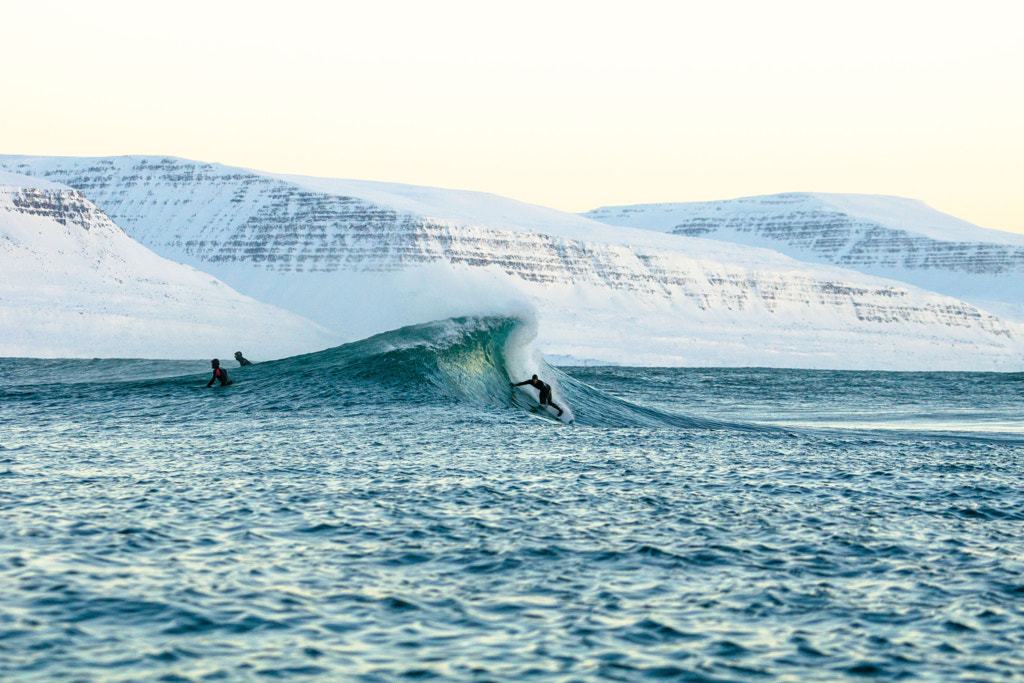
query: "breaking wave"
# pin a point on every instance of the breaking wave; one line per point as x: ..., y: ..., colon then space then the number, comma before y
x: 466, y: 360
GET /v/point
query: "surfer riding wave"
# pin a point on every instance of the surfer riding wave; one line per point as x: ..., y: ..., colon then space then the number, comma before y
x: 545, y: 392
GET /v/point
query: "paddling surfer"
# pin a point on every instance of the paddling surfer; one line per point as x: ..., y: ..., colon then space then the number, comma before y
x: 545, y: 392
x: 219, y: 374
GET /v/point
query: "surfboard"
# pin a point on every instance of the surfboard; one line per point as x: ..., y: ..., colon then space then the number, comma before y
x: 550, y: 414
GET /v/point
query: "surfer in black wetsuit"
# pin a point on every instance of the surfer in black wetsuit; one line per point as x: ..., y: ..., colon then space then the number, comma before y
x: 219, y: 374
x: 241, y: 361
x: 545, y: 392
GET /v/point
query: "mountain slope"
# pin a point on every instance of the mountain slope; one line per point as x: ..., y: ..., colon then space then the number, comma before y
x: 72, y: 284
x: 889, y: 237
x: 363, y: 257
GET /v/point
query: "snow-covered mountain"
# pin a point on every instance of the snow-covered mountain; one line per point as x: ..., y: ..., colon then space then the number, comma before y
x: 73, y: 284
x: 362, y: 257
x: 890, y: 237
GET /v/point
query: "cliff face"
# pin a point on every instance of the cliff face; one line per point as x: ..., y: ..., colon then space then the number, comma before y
x: 302, y: 248
x: 884, y: 236
x: 862, y: 245
x: 69, y: 208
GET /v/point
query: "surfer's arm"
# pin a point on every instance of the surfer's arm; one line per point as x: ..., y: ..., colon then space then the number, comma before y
x: 212, y: 380
x: 520, y: 383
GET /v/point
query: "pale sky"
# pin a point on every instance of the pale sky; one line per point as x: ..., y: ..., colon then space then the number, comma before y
x: 572, y: 105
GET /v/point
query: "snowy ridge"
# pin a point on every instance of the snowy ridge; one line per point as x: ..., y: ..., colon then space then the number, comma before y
x: 10, y: 181
x: 891, y: 237
x: 73, y: 284
x: 361, y: 258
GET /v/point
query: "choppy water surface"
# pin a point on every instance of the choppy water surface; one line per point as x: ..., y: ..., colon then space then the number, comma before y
x: 391, y: 510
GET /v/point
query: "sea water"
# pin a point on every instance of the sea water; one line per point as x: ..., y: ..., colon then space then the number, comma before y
x: 393, y: 510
